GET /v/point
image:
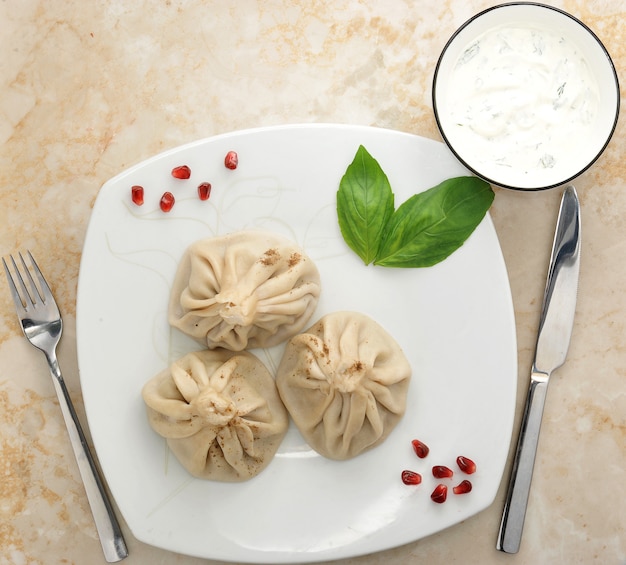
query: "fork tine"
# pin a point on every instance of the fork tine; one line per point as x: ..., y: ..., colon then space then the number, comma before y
x: 26, y: 298
x: 35, y: 293
x: 45, y: 293
x: 19, y: 303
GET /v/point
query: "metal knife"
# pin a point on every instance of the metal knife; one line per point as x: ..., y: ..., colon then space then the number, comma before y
x: 555, y: 330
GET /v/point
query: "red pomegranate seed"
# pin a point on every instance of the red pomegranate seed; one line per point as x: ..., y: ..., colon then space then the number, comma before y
x: 466, y: 465
x: 167, y: 201
x: 231, y: 160
x: 463, y: 487
x: 440, y: 494
x: 204, y: 190
x: 442, y: 472
x: 420, y: 448
x: 183, y: 172
x: 411, y: 478
x: 137, y: 194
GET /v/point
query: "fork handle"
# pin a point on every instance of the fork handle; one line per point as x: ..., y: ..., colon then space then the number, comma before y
x: 109, y: 531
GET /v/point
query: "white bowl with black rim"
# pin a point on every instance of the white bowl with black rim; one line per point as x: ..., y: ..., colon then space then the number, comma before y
x: 526, y: 96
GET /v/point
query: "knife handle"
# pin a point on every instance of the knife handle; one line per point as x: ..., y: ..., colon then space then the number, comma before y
x: 512, y: 524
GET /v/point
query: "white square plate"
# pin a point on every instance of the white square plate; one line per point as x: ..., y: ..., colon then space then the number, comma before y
x: 454, y: 321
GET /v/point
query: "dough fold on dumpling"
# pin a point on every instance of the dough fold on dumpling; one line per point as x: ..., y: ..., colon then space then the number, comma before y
x: 344, y: 382
x: 243, y: 290
x: 220, y: 413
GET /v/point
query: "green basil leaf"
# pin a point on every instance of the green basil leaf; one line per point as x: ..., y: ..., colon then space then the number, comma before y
x: 431, y: 225
x: 365, y: 202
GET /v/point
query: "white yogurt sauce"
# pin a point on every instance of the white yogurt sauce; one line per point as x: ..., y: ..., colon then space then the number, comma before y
x: 522, y: 98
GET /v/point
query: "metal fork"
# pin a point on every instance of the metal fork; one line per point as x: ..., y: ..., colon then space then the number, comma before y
x: 42, y: 325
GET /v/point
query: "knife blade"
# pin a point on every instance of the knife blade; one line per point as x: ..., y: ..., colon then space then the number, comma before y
x: 553, y: 338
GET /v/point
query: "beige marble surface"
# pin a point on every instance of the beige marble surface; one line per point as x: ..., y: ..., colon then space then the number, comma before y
x: 90, y: 88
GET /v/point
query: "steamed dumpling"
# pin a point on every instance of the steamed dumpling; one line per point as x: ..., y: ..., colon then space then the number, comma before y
x: 344, y: 381
x: 243, y: 290
x: 220, y: 413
